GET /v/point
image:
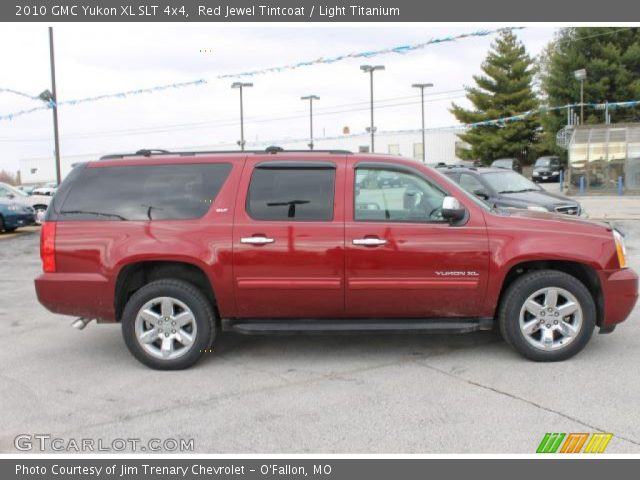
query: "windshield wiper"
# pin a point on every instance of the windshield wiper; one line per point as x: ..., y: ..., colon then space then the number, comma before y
x: 521, y: 191
x: 84, y: 212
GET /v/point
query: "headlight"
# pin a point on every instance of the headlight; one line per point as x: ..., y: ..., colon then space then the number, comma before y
x: 621, y: 250
x: 537, y: 208
x: 13, y: 207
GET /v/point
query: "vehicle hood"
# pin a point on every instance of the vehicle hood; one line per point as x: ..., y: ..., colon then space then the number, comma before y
x: 557, y: 217
x: 538, y: 198
x: 545, y: 169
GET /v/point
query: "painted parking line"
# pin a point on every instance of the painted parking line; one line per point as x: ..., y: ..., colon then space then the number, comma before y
x: 19, y: 232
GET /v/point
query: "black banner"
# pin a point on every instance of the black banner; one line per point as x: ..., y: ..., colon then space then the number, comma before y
x: 316, y: 11
x: 316, y: 469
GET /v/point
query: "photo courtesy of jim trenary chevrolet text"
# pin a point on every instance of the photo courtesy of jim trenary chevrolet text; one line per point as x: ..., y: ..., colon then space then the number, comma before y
x: 291, y: 239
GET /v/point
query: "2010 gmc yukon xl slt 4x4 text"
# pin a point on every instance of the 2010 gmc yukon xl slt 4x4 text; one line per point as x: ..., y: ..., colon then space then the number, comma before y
x: 177, y: 246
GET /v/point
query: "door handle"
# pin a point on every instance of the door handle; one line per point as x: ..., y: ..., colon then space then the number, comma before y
x: 257, y: 240
x: 369, y: 242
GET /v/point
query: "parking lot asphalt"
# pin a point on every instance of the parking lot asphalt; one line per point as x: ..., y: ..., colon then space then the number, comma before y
x: 314, y: 394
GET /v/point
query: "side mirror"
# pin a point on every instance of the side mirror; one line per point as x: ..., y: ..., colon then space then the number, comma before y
x: 452, y: 210
x: 11, y: 196
x: 482, y: 193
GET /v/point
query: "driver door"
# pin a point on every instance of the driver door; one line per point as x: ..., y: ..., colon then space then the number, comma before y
x: 402, y: 259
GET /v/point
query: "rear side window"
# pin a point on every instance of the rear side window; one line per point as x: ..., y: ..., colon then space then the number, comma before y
x: 153, y: 192
x: 470, y: 183
x: 291, y: 193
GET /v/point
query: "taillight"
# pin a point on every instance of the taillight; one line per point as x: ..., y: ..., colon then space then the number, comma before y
x: 48, y: 247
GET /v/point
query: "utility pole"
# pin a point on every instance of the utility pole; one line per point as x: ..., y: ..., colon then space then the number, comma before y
x: 240, y: 86
x: 311, y: 98
x: 54, y: 103
x: 370, y: 69
x: 422, y: 86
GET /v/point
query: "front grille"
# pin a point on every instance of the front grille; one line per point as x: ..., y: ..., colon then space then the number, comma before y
x: 568, y: 209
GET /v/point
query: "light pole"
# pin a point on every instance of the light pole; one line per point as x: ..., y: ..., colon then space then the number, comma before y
x: 51, y: 98
x: 240, y: 86
x: 581, y: 75
x: 311, y: 98
x: 422, y: 86
x: 370, y: 69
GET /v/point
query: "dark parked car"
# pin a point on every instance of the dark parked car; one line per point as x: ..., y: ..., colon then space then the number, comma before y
x: 14, y: 215
x: 503, y: 188
x: 508, y: 163
x: 547, y: 169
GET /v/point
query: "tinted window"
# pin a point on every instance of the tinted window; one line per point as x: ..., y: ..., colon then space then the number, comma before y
x: 409, y: 198
x: 154, y: 192
x: 470, y: 183
x: 291, y: 193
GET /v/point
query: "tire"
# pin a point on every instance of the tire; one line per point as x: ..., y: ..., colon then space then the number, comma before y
x: 40, y: 212
x: 1, y: 224
x: 546, y: 330
x: 153, y: 328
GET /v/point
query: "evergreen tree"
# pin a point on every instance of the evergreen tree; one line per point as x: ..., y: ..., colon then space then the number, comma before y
x: 611, y: 57
x: 504, y: 90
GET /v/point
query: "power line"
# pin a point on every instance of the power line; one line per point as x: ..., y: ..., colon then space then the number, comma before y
x: 330, y: 110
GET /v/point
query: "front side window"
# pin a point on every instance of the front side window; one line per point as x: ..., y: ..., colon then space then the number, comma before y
x: 153, y: 192
x: 291, y: 193
x: 408, y: 198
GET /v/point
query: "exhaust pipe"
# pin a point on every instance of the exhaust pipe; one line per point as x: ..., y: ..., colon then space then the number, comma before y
x: 80, y: 323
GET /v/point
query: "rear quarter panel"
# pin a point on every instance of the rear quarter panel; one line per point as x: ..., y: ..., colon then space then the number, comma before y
x: 95, y: 252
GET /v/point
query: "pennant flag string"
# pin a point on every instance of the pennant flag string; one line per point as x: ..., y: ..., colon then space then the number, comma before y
x: 401, y: 49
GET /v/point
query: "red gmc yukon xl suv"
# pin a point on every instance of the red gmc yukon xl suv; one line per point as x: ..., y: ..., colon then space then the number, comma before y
x: 178, y: 246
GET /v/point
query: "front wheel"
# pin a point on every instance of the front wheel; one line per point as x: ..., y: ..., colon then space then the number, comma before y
x: 168, y: 324
x: 40, y: 211
x: 547, y: 315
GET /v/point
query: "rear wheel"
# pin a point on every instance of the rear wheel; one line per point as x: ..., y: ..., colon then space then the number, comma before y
x: 547, y: 315
x: 168, y: 324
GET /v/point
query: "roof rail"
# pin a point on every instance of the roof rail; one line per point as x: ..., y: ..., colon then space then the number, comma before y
x: 270, y: 150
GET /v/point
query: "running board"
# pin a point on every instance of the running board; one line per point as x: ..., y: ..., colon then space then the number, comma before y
x: 346, y: 326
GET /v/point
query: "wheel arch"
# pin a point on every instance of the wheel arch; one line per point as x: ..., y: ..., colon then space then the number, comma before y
x: 583, y: 272
x: 131, y: 277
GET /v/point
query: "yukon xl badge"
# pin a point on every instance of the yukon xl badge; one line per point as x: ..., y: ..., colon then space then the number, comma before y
x: 457, y: 274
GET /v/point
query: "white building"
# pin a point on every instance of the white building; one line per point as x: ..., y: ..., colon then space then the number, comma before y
x: 441, y: 146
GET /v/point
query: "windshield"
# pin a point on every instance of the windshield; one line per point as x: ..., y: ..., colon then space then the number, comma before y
x: 543, y: 162
x: 15, y: 191
x: 546, y: 161
x: 510, y: 182
x: 502, y: 163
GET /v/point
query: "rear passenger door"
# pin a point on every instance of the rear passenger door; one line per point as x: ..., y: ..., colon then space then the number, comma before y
x: 288, y: 239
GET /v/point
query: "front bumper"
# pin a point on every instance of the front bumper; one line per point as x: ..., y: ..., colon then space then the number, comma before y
x: 620, y: 293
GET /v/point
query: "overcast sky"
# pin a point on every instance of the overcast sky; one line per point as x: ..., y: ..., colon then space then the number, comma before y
x: 106, y: 58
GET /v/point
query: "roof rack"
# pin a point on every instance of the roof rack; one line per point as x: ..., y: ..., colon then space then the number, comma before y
x: 273, y: 150
x: 449, y: 167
